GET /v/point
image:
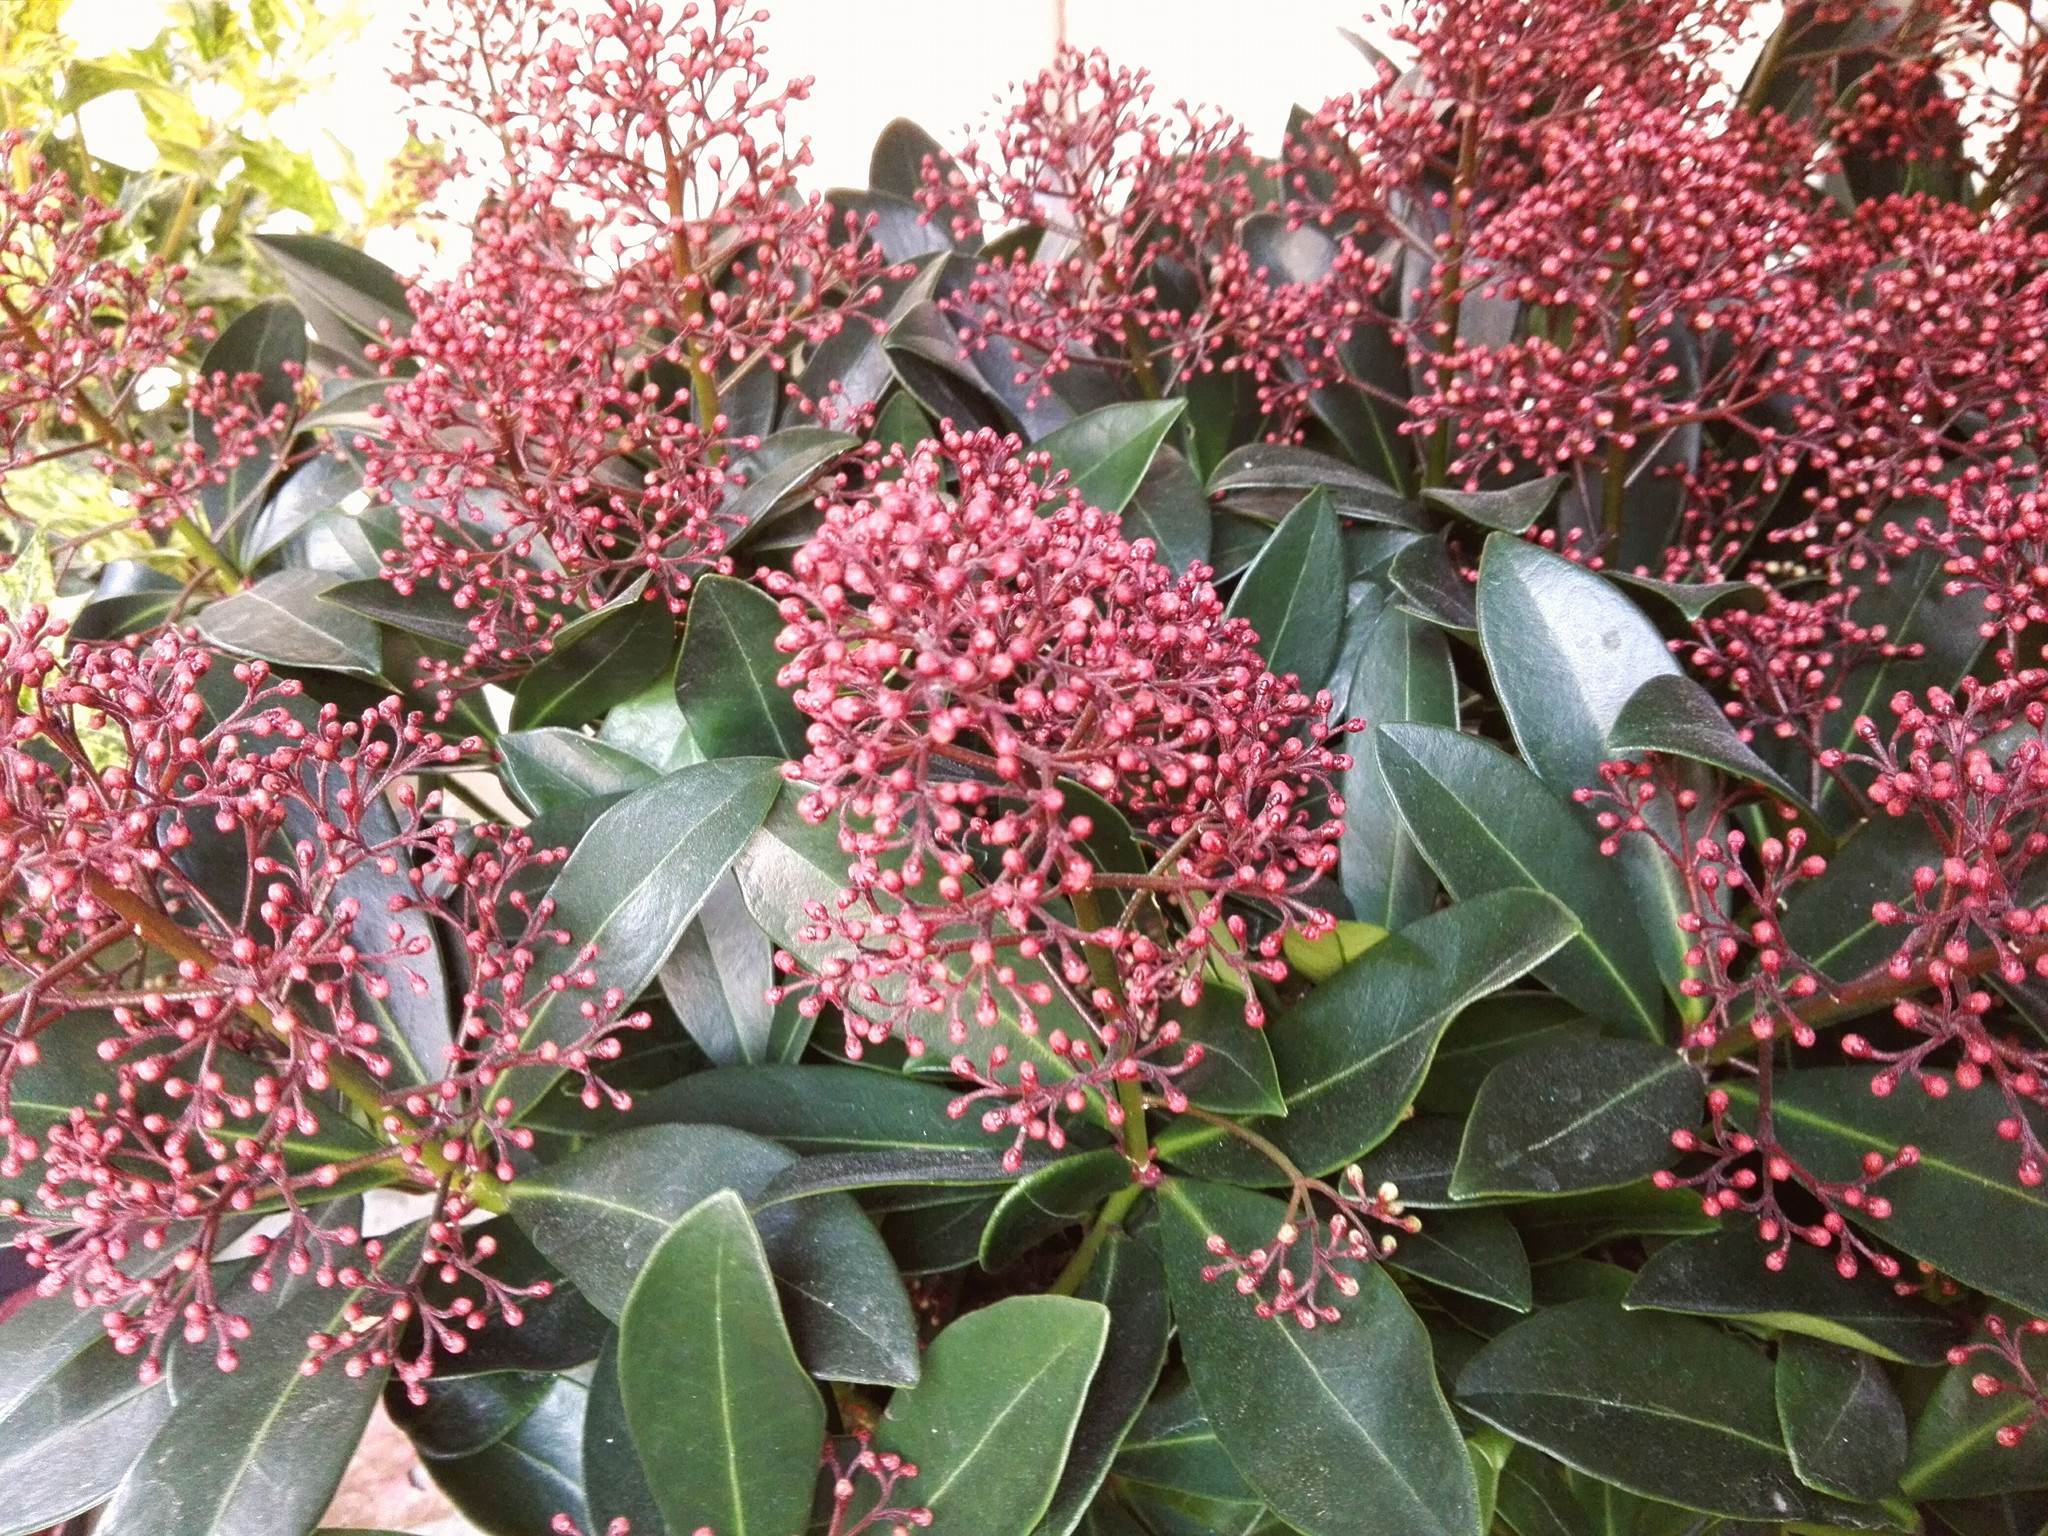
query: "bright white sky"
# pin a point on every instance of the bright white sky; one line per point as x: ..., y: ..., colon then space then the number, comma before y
x: 942, y: 62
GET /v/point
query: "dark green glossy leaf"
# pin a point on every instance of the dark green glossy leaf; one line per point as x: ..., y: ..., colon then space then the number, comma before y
x: 37, y: 1341
x: 1512, y: 510
x: 1570, y: 1224
x: 466, y: 1414
x: 1417, y: 1159
x: 1487, y: 1034
x: 1486, y: 823
x: 552, y: 768
x: 1955, y: 1451
x: 1170, y: 510
x: 898, y: 162
x: 614, y: 1481
x: 1534, y: 1498
x: 1293, y: 594
x: 1572, y: 1114
x: 1282, y: 467
x: 70, y: 1436
x: 1128, y: 1280
x: 282, y: 620
x: 990, y: 1421
x: 1173, y: 1445
x: 1108, y: 452
x: 330, y: 279
x: 426, y: 611
x: 262, y: 1450
x: 601, y: 1212
x: 924, y: 353
x: 1352, y: 1054
x: 933, y: 1239
x: 519, y: 1484
x: 813, y: 1109
x: 1566, y: 651
x: 1427, y: 583
x: 1290, y: 1404
x: 1060, y: 1195
x: 1723, y: 1274
x: 639, y: 875
x: 269, y: 341
x: 915, y: 1167
x: 717, y: 980
x: 1961, y: 1207
x: 1674, y: 715
x: 727, y: 1423
x: 1403, y: 674
x: 779, y: 473
x: 725, y: 678
x: 1667, y: 1407
x: 1475, y: 1253
x: 601, y: 660
x: 129, y: 599
x: 1695, y: 600
x: 2008, y: 1514
x: 1843, y: 1423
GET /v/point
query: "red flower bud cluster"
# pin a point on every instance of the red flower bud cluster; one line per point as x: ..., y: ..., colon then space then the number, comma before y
x: 986, y: 665
x: 1140, y: 211
x: 555, y: 427
x: 214, y: 903
x: 1311, y: 1250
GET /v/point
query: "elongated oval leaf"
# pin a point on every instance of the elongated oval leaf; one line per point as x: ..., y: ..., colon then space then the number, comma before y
x: 520, y: 1483
x: 1667, y: 1407
x: 989, y: 1423
x: 1511, y: 510
x: 1353, y: 1052
x: 1170, y: 510
x: 727, y: 1424
x: 1566, y: 651
x: 1485, y: 823
x: 1293, y: 594
x: 281, y: 620
x: 1403, y: 674
x: 1674, y: 715
x: 600, y: 661
x: 1572, y: 1114
x: 817, y: 1108
x: 1291, y: 1404
x: 1057, y: 1196
x: 614, y: 1481
x: 638, y: 877
x: 268, y: 341
x: 1475, y: 1253
x: 725, y: 678
x: 1722, y: 1274
x: 600, y: 1214
x: 1843, y: 1423
x: 1128, y: 1280
x: 553, y: 768
x: 1107, y: 452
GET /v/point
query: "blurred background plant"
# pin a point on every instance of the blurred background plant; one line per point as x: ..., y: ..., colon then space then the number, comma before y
x: 202, y: 125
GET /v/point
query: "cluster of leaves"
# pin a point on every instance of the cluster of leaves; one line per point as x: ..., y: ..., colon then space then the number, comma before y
x: 1603, y: 1095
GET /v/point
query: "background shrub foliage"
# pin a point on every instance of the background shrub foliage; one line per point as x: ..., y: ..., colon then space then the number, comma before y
x: 710, y: 854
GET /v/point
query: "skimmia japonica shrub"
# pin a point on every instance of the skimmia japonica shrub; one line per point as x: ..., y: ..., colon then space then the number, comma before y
x: 1146, y: 831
